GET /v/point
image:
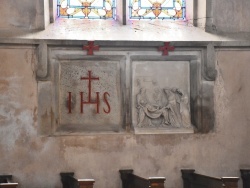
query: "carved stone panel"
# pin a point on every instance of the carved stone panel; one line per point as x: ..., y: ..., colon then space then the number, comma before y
x: 161, y: 96
x: 89, y: 96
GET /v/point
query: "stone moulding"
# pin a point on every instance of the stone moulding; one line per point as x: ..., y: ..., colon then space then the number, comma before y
x: 42, y: 66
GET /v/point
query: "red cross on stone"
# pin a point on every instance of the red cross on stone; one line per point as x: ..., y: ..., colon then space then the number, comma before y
x: 89, y: 78
x: 90, y: 47
x: 166, y: 48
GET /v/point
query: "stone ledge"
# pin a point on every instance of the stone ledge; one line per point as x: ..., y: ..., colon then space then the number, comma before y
x: 109, y: 30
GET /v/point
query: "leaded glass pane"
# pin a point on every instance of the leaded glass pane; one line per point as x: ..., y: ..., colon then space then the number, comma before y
x: 89, y: 9
x: 157, y: 9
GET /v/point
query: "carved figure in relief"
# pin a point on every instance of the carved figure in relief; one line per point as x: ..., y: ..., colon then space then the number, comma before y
x: 145, y: 109
x: 157, y: 97
x: 173, y: 112
x: 173, y: 107
x: 141, y: 103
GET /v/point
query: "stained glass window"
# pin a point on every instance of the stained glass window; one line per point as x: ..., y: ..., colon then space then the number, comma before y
x: 157, y: 9
x: 89, y: 9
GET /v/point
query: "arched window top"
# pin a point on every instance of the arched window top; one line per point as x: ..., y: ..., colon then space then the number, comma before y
x: 157, y: 9
x: 88, y: 9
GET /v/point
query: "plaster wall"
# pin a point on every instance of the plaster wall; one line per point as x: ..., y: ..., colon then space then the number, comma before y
x: 48, y: 16
x: 231, y: 16
x: 25, y: 14
x: 36, y: 161
x: 201, y: 14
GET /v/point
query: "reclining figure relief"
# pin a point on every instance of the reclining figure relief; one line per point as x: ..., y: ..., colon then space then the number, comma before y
x: 170, y: 108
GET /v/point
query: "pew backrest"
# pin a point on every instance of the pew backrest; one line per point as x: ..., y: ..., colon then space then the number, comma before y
x: 245, y: 175
x: 130, y: 180
x: 194, y: 180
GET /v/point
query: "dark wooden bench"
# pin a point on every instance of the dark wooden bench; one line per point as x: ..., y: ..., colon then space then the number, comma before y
x: 245, y: 175
x: 5, y: 182
x: 194, y: 180
x: 69, y: 181
x: 129, y: 180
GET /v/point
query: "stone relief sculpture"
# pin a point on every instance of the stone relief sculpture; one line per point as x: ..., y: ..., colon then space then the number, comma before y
x: 173, y: 107
x: 169, y: 107
x: 145, y: 109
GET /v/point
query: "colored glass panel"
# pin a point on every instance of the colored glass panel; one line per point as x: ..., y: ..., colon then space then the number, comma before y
x: 88, y: 9
x: 157, y: 9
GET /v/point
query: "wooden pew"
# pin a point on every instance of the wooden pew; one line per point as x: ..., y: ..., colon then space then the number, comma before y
x: 194, y: 180
x: 129, y: 180
x: 69, y: 181
x: 245, y: 175
x: 5, y: 182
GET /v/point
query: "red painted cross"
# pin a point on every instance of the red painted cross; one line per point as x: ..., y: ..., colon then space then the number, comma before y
x: 89, y: 78
x: 166, y: 48
x: 90, y: 47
